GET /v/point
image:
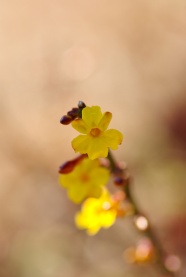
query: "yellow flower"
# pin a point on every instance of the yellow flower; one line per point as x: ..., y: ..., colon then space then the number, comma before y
x: 97, y: 213
x: 86, y: 180
x: 95, y: 139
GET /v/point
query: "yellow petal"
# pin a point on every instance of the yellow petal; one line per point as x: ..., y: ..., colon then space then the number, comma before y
x: 77, y: 193
x: 90, y: 205
x: 88, y: 166
x: 92, y: 116
x: 107, y: 218
x: 100, y: 176
x: 92, y: 221
x: 97, y: 148
x: 80, y: 220
x: 80, y: 126
x: 95, y: 191
x: 81, y: 144
x: 105, y: 121
x: 112, y: 138
x: 85, y: 220
x: 65, y: 180
x: 93, y: 231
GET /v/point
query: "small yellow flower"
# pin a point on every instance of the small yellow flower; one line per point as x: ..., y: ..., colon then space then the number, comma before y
x: 86, y: 180
x: 97, y: 213
x: 95, y: 139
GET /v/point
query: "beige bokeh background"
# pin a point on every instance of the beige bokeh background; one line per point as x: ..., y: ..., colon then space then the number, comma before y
x: 129, y: 57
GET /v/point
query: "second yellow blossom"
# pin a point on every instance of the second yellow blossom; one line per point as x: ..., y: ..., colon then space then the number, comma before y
x: 86, y: 180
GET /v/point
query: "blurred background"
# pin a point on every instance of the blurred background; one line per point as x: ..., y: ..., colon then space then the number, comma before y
x: 129, y: 57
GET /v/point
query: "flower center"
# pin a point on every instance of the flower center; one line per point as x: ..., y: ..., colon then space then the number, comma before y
x: 95, y: 132
x: 84, y: 177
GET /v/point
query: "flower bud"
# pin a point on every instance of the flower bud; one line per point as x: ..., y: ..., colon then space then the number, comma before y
x: 68, y: 166
x: 81, y: 105
x: 73, y: 113
x: 119, y: 181
x: 66, y: 119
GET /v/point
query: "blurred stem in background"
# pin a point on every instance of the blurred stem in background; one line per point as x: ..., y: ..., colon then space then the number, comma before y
x: 167, y: 264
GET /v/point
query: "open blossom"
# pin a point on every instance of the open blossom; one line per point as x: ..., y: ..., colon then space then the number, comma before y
x: 97, y: 213
x: 95, y: 139
x: 86, y: 180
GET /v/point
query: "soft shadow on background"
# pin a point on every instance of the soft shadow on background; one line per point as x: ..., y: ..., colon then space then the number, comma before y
x: 126, y: 56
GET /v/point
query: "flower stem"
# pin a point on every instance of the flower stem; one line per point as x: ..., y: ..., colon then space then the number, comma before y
x: 148, y: 232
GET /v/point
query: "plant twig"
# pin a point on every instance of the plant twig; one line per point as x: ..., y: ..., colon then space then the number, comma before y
x: 148, y: 232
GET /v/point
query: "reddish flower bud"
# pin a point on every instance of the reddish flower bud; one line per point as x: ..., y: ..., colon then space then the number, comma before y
x: 68, y: 166
x: 73, y: 113
x: 121, y: 181
x: 66, y: 119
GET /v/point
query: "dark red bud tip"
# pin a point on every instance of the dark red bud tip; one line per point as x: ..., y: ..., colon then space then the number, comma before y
x: 81, y: 105
x: 66, y: 119
x: 69, y: 166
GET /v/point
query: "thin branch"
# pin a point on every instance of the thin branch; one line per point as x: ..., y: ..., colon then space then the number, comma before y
x: 148, y: 232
